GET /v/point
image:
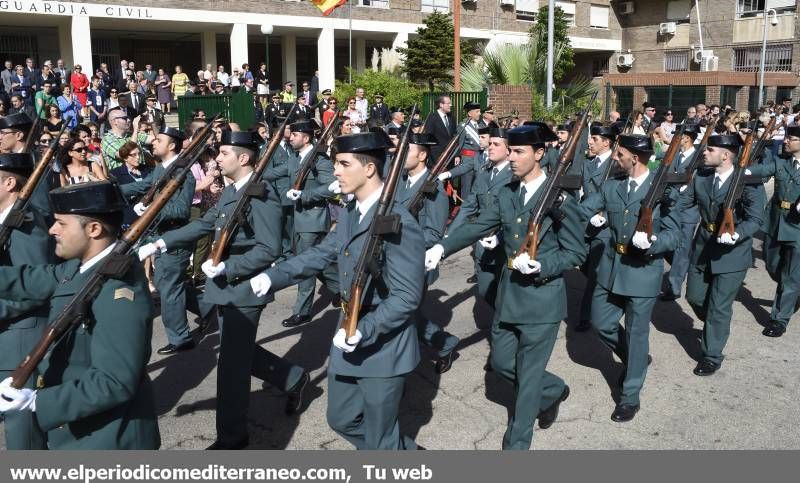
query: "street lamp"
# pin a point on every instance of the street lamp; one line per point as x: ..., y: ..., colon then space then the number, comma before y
x: 266, y: 29
x: 774, y: 21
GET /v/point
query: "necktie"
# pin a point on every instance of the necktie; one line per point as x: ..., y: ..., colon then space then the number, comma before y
x: 444, y: 120
x: 495, y: 172
x: 796, y: 164
x: 716, y: 187
x: 598, y: 162
x: 678, y: 161
x: 631, y: 187
x: 408, y: 183
x: 133, y: 100
x: 522, y: 193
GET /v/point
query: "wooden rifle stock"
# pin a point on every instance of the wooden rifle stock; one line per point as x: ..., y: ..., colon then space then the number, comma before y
x: 310, y: 161
x: 727, y: 224
x: 429, y: 185
x: 382, y: 224
x: 114, y: 265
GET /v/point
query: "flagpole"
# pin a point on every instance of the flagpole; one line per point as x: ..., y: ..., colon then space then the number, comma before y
x: 350, y: 48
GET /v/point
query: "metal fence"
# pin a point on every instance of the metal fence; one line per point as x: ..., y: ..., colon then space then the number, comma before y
x: 778, y: 58
x: 458, y: 99
x: 676, y: 61
x: 236, y: 107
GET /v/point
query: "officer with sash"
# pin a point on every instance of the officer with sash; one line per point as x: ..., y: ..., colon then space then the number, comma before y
x: 469, y: 150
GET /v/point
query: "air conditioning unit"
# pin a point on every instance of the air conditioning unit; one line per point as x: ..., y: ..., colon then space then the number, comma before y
x: 625, y: 60
x: 507, y: 3
x: 626, y: 8
x: 699, y: 55
x: 710, y: 64
x: 667, y: 28
x: 469, y: 2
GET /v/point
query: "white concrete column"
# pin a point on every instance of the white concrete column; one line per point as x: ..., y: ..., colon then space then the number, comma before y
x: 238, y: 46
x: 289, y: 59
x: 400, y: 40
x: 208, y: 49
x: 362, y: 60
x: 81, y: 45
x: 325, y: 59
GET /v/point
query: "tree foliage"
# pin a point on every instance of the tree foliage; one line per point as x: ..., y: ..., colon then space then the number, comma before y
x: 428, y: 58
x: 397, y: 91
x: 538, y: 36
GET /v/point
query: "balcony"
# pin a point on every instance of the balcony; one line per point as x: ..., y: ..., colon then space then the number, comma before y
x: 778, y: 58
x: 751, y: 29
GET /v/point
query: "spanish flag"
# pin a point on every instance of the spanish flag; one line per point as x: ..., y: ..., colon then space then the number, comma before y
x: 328, y: 6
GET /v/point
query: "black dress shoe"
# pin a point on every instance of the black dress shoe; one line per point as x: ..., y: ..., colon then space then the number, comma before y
x: 421, y: 448
x: 217, y: 445
x: 294, y: 397
x: 172, y: 349
x: 624, y: 412
x: 583, y: 326
x: 774, y: 329
x: 296, y: 320
x: 444, y: 363
x: 549, y: 415
x: 472, y: 279
x: 705, y: 368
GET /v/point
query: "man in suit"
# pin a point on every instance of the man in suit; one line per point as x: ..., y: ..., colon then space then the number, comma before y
x: 629, y: 272
x: 649, y: 116
x: 255, y: 245
x: 366, y: 371
x: 311, y: 217
x: 149, y: 74
x: 441, y: 125
x: 398, y: 118
x: 18, y: 106
x: 322, y: 105
x: 309, y: 96
x: 136, y: 99
x: 487, y: 117
x: 30, y: 71
x: 470, y: 150
x: 94, y: 392
x: 379, y: 112
x: 521, y: 343
x: 120, y: 78
x: 302, y: 112
x: 153, y: 113
x: 61, y: 73
x: 22, y: 83
x: 6, y: 75
x: 719, y: 262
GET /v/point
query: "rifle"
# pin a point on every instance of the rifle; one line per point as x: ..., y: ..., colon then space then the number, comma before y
x: 552, y: 187
x: 698, y: 155
x: 34, y: 133
x: 382, y: 224
x: 761, y: 145
x: 611, y: 163
x: 254, y: 187
x: 738, y: 181
x: 16, y: 216
x: 659, y: 185
x: 311, y: 159
x: 429, y: 185
x: 114, y: 265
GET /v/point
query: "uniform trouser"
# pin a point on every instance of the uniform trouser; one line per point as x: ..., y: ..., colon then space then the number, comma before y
x: 287, y: 218
x: 305, y: 289
x: 679, y: 260
x: 466, y: 184
x: 520, y: 353
x: 169, y: 276
x: 22, y: 431
x: 589, y: 269
x: 364, y: 411
x: 201, y: 248
x: 772, y: 257
x: 788, y: 290
x: 431, y: 334
x: 711, y: 297
x: 487, y: 281
x: 631, y: 343
x: 239, y: 358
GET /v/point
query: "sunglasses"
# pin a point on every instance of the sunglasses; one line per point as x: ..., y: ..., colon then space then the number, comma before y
x: 45, y: 141
x: 79, y: 150
x: 668, y: 114
x: 332, y: 102
x: 113, y: 92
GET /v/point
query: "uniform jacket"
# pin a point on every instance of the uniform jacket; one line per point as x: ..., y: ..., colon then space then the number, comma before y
x: 592, y: 182
x: 468, y: 142
x: 178, y: 208
x: 311, y: 210
x: 277, y: 172
x: 783, y: 223
x: 679, y: 165
x: 379, y: 114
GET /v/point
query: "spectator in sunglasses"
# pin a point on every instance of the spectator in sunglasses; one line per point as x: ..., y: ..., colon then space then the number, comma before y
x: 76, y: 167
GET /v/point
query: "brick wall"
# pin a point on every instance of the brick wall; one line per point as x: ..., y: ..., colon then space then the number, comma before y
x: 713, y: 94
x: 742, y: 98
x: 504, y: 99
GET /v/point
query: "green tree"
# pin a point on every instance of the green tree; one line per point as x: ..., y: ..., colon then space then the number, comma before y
x: 428, y: 58
x: 397, y: 91
x: 538, y: 36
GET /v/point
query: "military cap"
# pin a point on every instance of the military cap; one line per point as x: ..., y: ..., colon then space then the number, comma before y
x: 635, y: 142
x: 497, y: 132
x: 484, y: 130
x: 244, y: 139
x: 326, y: 92
x: 489, y: 109
x: 727, y: 141
x: 175, y: 134
x: 604, y: 131
x: 307, y: 127
x: 276, y: 96
x: 20, y: 163
x: 564, y: 127
x: 691, y: 130
x: 92, y: 198
x: 363, y: 142
x: 288, y: 83
x: 415, y: 123
x: 378, y: 94
x: 793, y: 131
x: 529, y: 134
x: 422, y: 139
x: 151, y: 97
x: 647, y: 105
x: 394, y: 131
x: 470, y: 105
x: 19, y: 121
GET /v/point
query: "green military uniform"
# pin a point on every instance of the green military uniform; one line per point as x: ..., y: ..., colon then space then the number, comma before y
x: 365, y: 386
x: 169, y: 271
x: 717, y: 271
x: 528, y: 307
x: 94, y: 392
x: 277, y: 174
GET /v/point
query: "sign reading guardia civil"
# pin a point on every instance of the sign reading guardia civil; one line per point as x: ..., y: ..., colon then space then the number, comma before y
x: 56, y: 8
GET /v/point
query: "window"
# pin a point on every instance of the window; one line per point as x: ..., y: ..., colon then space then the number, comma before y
x: 778, y: 58
x: 374, y: 3
x: 624, y: 100
x: 526, y: 9
x: 676, y: 61
x: 569, y: 11
x: 727, y: 96
x: 598, y: 17
x: 599, y: 66
x: 678, y: 10
x: 435, y: 5
x: 752, y: 8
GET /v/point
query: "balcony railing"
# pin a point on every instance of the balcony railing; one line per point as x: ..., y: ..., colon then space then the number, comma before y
x: 778, y: 58
x: 676, y: 61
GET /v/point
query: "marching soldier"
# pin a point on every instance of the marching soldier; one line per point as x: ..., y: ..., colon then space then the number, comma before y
x: 531, y: 295
x: 23, y: 321
x: 551, y: 156
x: 594, y: 168
x: 169, y: 266
x: 14, y: 132
x: 470, y: 150
x: 719, y: 263
x: 366, y: 372
x: 782, y: 242
x: 630, y: 267
x: 256, y: 244
x: 94, y: 391
x: 379, y: 112
x: 277, y: 175
x: 311, y: 217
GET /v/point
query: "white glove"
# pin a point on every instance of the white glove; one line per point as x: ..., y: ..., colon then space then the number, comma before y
x: 16, y: 399
x: 489, y: 243
x: 211, y: 270
x: 597, y: 220
x: 727, y: 239
x: 445, y: 176
x: 524, y: 265
x: 294, y: 195
x: 148, y: 249
x: 747, y: 172
x: 433, y: 256
x: 139, y: 209
x: 683, y: 188
x: 641, y: 242
x: 260, y: 284
x: 341, y: 341
x: 334, y: 187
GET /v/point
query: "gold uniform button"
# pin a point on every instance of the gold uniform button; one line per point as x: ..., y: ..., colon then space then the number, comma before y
x: 626, y: 212
x: 516, y: 235
x: 519, y: 220
x: 345, y: 274
x: 347, y: 254
x: 223, y: 215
